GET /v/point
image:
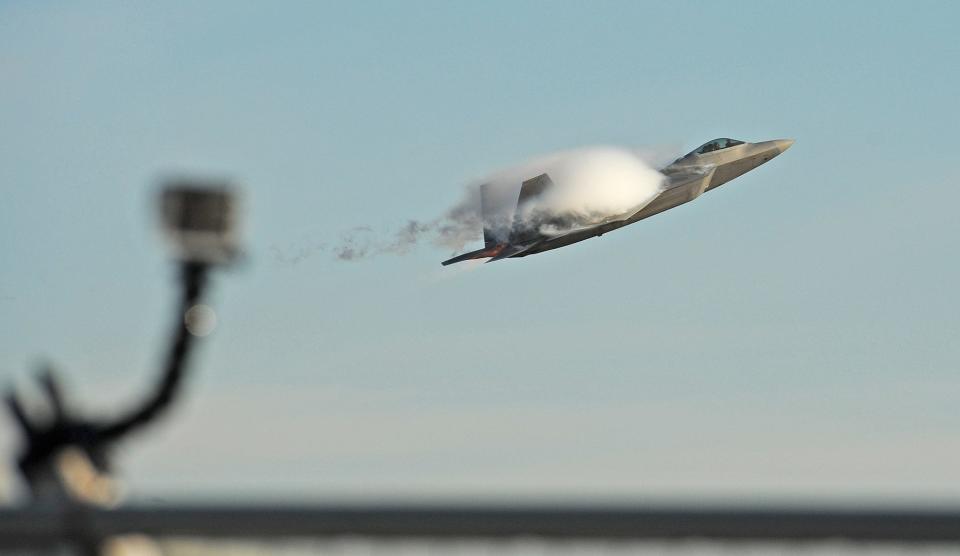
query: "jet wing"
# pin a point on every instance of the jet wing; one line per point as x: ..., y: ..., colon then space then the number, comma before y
x: 594, y: 225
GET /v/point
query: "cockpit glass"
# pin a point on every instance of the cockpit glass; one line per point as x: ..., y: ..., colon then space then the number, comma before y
x: 717, y: 144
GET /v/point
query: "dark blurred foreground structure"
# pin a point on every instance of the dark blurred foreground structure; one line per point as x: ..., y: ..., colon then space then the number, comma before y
x: 200, y: 221
x: 65, y: 457
x: 49, y: 527
x: 44, y: 439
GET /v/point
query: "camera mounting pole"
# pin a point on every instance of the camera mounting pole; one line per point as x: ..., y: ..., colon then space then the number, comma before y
x: 199, y: 220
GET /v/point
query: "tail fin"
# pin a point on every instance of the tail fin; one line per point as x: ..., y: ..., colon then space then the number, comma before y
x: 486, y: 209
x: 503, y: 235
x: 521, y: 231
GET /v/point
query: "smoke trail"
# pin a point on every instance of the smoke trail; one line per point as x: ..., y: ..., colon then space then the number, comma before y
x: 590, y: 185
x: 362, y: 242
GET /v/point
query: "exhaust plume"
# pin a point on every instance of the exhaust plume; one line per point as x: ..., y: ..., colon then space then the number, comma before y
x: 590, y: 185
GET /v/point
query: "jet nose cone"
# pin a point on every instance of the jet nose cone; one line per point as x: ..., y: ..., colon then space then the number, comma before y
x: 783, y: 144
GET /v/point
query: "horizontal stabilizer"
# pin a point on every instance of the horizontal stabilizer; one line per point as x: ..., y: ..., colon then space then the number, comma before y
x: 511, y: 251
x: 484, y: 253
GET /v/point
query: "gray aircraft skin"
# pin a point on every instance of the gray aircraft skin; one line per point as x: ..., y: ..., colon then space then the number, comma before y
x: 708, y: 167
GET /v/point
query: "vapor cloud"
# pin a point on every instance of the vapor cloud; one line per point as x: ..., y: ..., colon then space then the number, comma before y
x: 590, y: 185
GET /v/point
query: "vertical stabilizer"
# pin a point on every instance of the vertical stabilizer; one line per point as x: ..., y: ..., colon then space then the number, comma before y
x: 520, y: 230
x: 486, y: 210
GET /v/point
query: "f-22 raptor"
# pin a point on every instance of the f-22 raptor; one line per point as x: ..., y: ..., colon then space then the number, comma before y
x: 708, y: 167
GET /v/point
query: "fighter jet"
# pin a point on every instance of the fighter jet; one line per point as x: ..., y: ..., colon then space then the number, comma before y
x: 711, y: 165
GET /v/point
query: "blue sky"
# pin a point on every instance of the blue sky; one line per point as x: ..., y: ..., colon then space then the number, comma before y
x: 791, y: 335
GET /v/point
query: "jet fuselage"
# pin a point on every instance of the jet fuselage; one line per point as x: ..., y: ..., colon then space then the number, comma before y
x: 708, y: 167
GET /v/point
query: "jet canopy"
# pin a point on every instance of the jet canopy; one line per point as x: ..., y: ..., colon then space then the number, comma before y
x: 716, y: 145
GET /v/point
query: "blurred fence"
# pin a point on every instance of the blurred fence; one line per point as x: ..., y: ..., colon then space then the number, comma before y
x: 470, y: 530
